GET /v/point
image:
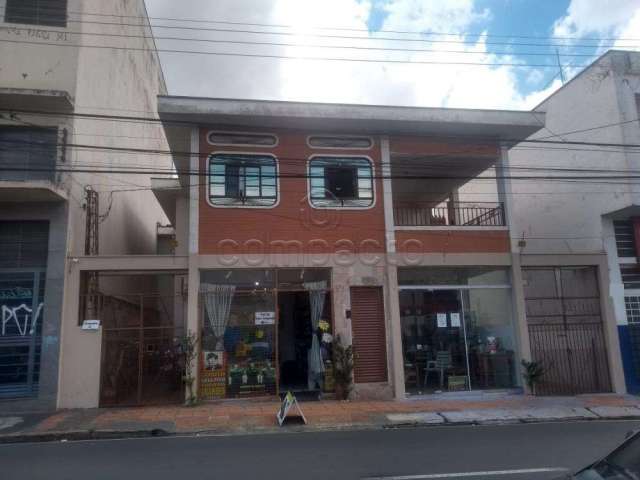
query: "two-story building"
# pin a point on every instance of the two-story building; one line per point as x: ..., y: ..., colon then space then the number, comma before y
x: 65, y: 187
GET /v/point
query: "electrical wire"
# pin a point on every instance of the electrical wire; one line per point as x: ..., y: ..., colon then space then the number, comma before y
x: 293, y: 57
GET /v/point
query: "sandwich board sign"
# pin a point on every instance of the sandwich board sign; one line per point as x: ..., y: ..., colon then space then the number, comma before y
x: 288, y: 402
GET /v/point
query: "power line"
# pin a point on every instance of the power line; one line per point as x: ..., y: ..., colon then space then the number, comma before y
x: 324, y: 46
x: 350, y: 29
x: 492, y: 141
x: 346, y: 37
x: 292, y: 57
x: 147, y: 19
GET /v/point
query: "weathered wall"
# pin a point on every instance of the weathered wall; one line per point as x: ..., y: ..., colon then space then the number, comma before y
x: 105, y: 81
x: 565, y: 217
x: 26, y: 61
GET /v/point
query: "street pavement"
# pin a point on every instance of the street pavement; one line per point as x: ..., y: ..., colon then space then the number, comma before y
x: 521, y: 451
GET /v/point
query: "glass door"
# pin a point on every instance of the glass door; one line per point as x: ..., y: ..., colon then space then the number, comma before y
x: 434, y: 342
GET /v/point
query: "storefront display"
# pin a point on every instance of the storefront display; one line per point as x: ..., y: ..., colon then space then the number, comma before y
x: 457, y: 334
x: 264, y: 331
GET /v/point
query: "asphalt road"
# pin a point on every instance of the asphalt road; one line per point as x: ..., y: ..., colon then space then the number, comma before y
x: 536, y: 451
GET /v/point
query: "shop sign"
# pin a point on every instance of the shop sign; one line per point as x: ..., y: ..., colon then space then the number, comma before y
x: 265, y: 318
x: 91, y: 325
x: 288, y: 402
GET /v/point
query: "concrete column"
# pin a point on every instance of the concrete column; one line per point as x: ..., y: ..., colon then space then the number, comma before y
x: 523, y: 349
x: 392, y: 300
x: 193, y: 318
x: 503, y: 184
x: 610, y: 330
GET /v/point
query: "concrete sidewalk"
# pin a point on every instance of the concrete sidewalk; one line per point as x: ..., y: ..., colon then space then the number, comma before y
x: 253, y: 416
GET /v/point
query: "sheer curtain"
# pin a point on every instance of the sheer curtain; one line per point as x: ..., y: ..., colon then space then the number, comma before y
x: 217, y: 302
x: 317, y: 294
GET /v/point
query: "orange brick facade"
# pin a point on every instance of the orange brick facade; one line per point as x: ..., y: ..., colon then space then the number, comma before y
x: 453, y: 241
x: 293, y: 225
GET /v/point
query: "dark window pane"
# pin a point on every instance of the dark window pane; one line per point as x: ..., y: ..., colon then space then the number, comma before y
x: 341, y: 182
x: 37, y: 12
x: 23, y: 244
x: 232, y: 181
x: 32, y: 151
x: 625, y: 238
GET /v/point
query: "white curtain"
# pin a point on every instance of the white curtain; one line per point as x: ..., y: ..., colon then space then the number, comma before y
x: 217, y: 302
x: 317, y: 294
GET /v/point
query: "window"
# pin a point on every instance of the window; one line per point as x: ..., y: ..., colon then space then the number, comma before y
x: 33, y: 149
x: 242, y: 180
x: 625, y: 238
x: 340, y: 142
x: 51, y: 13
x: 340, y: 182
x: 224, y: 138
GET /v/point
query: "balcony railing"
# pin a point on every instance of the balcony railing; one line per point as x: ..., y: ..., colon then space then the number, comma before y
x: 463, y: 214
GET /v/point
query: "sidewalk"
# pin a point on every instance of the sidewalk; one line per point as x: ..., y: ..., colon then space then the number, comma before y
x: 249, y: 416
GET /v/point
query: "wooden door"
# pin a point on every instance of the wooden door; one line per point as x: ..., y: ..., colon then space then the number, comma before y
x: 369, y: 336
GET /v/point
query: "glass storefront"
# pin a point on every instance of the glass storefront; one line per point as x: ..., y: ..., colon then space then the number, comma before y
x: 457, y: 329
x: 264, y: 331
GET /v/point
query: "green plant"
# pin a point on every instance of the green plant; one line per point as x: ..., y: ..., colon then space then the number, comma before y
x: 532, y: 373
x: 342, y: 368
x: 189, y: 353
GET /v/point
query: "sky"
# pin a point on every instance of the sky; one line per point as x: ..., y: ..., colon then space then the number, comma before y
x: 520, y: 49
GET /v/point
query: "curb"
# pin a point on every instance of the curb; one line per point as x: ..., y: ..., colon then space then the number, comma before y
x: 82, y: 435
x: 77, y: 435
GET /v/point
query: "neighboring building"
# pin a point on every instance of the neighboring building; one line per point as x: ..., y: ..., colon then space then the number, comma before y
x: 51, y: 88
x: 575, y: 231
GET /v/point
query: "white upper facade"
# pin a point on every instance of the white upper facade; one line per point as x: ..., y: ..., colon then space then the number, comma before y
x: 570, y: 215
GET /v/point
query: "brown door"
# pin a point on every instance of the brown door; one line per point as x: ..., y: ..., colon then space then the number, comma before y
x: 369, y: 339
x: 565, y: 330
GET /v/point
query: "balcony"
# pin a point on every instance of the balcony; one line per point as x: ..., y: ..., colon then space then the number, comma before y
x: 462, y: 214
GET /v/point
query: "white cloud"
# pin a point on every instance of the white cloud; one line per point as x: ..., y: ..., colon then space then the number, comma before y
x: 361, y: 82
x: 586, y: 17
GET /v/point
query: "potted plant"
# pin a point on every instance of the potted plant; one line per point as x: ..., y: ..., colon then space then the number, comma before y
x: 189, y: 351
x: 532, y: 373
x: 342, y: 368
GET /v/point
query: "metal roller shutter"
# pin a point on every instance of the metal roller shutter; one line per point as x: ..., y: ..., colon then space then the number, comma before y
x: 369, y: 338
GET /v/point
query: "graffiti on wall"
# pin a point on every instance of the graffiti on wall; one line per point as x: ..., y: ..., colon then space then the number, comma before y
x: 20, y: 320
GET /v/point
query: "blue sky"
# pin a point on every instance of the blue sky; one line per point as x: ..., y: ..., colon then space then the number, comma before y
x: 484, y: 32
x: 509, y: 20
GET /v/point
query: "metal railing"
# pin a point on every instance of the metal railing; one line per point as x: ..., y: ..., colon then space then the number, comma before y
x: 478, y: 214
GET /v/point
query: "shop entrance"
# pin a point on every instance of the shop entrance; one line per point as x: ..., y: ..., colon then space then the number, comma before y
x: 436, y: 350
x: 265, y: 332
x: 294, y: 341
x: 457, y: 332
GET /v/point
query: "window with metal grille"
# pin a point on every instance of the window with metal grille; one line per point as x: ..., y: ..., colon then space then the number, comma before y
x: 52, y: 13
x: 340, y: 182
x: 243, y: 180
x: 28, y: 153
x: 630, y: 276
x: 625, y: 238
x: 632, y: 306
x: 24, y: 244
